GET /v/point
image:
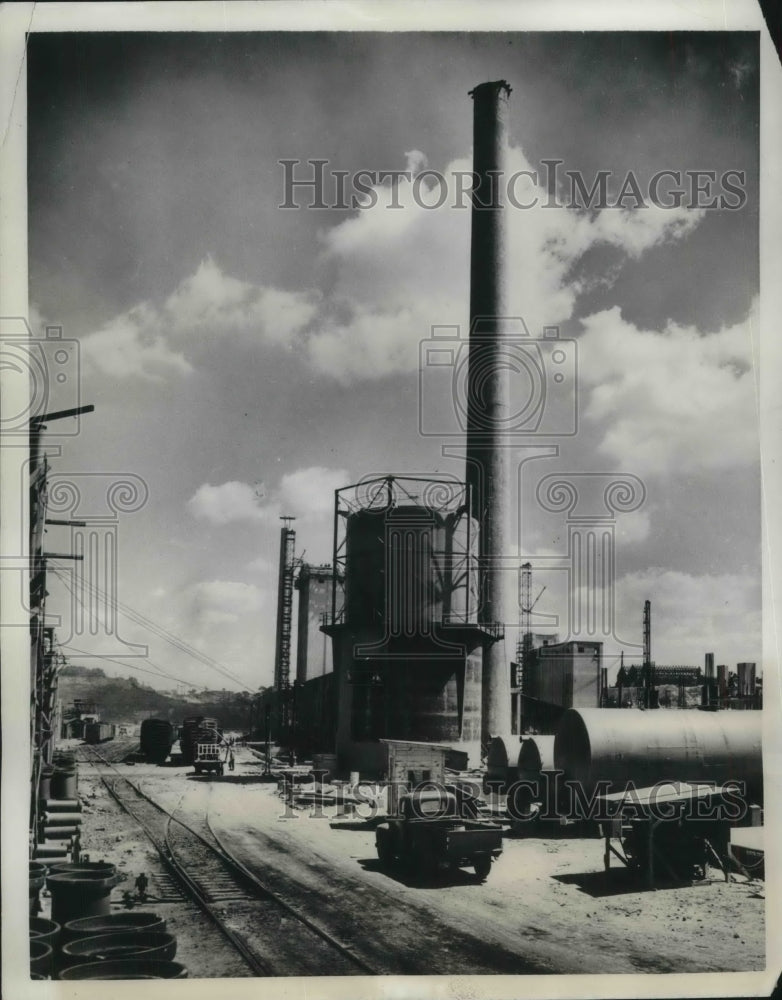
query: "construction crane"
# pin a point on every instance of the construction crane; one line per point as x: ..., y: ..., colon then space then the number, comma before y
x: 526, y: 606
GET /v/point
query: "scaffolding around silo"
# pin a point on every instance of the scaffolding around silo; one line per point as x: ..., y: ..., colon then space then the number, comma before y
x: 408, y: 639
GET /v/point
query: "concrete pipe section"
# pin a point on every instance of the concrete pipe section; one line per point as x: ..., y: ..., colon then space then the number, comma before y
x: 81, y: 893
x: 114, y: 923
x: 104, y: 868
x: 45, y: 931
x: 62, y: 805
x: 36, y: 880
x: 126, y: 969
x: 41, y: 957
x: 64, y: 818
x: 646, y: 747
x: 115, y: 947
x: 49, y: 852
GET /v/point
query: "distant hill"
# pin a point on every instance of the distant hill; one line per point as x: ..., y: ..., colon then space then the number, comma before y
x: 126, y: 700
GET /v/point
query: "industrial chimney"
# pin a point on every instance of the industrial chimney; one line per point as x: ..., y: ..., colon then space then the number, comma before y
x: 488, y: 404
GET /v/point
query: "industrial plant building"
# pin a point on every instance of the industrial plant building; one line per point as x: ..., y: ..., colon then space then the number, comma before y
x: 401, y: 637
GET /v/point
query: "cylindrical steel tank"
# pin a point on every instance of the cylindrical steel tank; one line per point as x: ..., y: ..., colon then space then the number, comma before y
x: 409, y: 567
x: 645, y: 747
x: 536, y: 774
x: 502, y: 761
x: 536, y: 755
x: 462, y: 585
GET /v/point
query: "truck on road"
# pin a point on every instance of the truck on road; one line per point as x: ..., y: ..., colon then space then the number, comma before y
x: 437, y: 829
x: 211, y: 751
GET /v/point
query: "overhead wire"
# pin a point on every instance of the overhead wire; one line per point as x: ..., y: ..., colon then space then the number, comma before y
x: 151, y: 626
x: 160, y: 631
x: 158, y: 672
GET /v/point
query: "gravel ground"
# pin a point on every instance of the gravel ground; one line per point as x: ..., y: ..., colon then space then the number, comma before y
x: 546, y: 907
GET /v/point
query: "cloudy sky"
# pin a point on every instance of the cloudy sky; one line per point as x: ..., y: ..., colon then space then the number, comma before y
x: 245, y: 360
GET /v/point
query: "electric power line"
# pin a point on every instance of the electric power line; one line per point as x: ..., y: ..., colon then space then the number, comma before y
x: 153, y: 627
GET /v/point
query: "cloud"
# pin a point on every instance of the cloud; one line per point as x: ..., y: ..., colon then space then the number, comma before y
x: 150, y: 342
x: 227, y: 503
x: 261, y: 565
x: 309, y: 493
x: 132, y: 344
x: 306, y: 494
x: 224, y: 602
x: 676, y: 400
x: 214, y: 301
x: 401, y: 270
x: 398, y: 268
x: 633, y: 527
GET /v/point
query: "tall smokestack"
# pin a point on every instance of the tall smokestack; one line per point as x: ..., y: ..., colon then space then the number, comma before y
x: 488, y: 405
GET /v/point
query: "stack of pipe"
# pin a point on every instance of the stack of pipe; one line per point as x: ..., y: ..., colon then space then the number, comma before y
x: 60, y: 825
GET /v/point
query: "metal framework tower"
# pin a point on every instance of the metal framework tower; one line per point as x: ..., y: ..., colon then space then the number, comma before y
x: 647, y: 670
x: 526, y: 606
x: 525, y: 590
x: 282, y: 658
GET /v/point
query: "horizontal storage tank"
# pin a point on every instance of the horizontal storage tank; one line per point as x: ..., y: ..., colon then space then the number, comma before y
x: 412, y: 564
x: 502, y: 760
x: 536, y: 755
x: 645, y: 747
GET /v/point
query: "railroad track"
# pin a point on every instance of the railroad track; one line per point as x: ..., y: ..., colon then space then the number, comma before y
x: 273, y: 938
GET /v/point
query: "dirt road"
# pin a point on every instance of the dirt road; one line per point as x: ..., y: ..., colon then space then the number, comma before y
x: 547, y: 906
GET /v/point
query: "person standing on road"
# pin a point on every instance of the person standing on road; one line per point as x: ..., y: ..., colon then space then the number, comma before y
x: 141, y: 886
